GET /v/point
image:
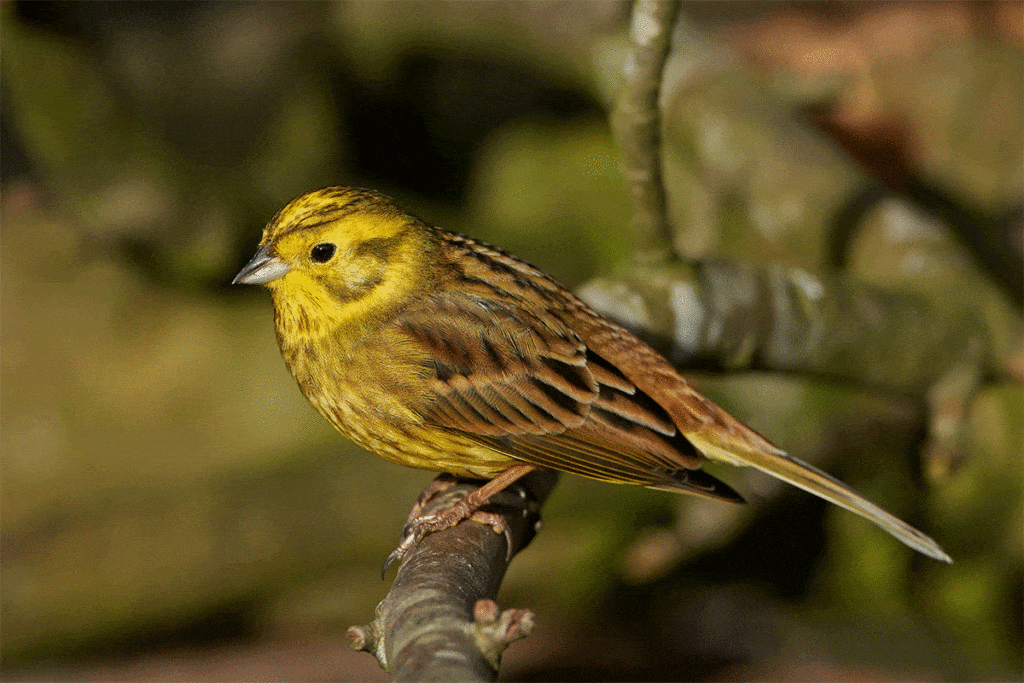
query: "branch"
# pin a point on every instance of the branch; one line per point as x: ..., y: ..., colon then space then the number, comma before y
x: 742, y: 316
x: 439, y: 621
x: 636, y: 123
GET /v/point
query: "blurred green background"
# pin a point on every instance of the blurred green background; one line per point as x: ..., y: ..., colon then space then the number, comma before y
x: 172, y: 507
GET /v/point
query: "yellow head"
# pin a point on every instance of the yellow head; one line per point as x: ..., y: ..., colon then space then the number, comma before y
x: 340, y: 256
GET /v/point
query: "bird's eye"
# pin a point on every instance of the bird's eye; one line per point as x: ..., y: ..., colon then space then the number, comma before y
x: 322, y: 253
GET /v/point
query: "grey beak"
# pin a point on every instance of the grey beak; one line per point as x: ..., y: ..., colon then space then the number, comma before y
x: 263, y: 268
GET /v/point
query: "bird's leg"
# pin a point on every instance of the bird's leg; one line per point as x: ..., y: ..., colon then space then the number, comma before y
x: 419, y: 525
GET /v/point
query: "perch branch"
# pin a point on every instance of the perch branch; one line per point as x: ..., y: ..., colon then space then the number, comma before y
x: 636, y: 123
x: 439, y: 622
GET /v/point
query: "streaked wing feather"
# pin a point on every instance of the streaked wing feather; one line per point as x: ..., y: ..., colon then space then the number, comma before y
x: 496, y: 370
x: 585, y: 453
x: 553, y: 396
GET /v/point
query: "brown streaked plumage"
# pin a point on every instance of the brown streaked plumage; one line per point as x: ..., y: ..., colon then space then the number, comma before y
x: 437, y: 351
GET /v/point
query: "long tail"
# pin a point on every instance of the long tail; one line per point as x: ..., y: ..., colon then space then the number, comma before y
x: 778, y: 464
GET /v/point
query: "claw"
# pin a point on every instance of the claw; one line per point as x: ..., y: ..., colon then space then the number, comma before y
x: 387, y: 563
x: 416, y: 528
x: 410, y: 537
x: 395, y: 555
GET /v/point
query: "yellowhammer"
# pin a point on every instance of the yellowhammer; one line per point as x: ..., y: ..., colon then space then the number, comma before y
x: 436, y: 351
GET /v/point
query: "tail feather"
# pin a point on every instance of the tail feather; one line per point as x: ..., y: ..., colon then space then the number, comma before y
x: 798, y: 473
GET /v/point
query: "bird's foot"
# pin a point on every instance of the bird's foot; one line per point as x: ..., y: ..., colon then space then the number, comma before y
x: 419, y: 525
x: 439, y: 485
x: 463, y: 506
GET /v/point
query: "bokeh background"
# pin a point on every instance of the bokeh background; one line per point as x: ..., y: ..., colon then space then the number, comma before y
x: 173, y: 509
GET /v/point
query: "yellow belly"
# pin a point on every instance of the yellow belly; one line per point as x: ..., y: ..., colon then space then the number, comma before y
x: 429, y: 448
x: 365, y: 390
x: 396, y: 434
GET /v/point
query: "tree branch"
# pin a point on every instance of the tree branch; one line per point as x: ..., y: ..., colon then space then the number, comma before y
x: 636, y: 124
x: 439, y: 622
x: 743, y: 316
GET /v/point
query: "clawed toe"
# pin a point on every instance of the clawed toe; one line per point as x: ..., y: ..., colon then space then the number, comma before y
x: 408, y: 542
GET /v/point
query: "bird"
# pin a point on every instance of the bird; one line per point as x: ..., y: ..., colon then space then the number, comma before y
x: 437, y: 351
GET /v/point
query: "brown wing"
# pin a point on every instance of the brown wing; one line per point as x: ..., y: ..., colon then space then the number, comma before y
x: 519, y: 380
x: 716, y: 433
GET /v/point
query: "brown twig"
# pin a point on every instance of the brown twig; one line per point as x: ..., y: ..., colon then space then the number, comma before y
x: 439, y: 621
x: 636, y: 123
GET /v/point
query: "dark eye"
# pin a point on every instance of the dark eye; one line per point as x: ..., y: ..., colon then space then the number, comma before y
x: 322, y: 252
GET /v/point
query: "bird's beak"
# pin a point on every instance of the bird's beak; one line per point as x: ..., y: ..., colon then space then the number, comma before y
x: 263, y: 268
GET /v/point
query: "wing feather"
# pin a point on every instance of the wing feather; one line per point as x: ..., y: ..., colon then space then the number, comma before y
x: 529, y: 387
x: 586, y: 454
